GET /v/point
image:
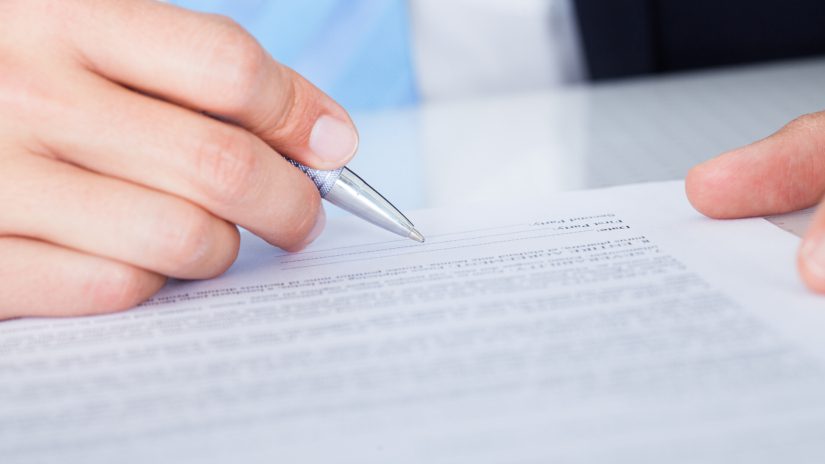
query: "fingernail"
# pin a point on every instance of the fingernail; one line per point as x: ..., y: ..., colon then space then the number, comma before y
x: 333, y: 140
x: 320, y: 223
x: 813, y: 255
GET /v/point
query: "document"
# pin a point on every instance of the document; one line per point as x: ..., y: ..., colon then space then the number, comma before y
x: 795, y: 222
x: 605, y: 326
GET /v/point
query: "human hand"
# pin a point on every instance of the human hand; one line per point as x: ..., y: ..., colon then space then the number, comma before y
x: 784, y: 172
x: 112, y: 176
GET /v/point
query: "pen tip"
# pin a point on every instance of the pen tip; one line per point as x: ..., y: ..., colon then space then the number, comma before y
x: 416, y: 235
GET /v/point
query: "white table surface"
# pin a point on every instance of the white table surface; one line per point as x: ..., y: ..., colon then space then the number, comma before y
x: 502, y: 148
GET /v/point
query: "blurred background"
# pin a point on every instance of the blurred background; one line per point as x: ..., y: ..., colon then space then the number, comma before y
x: 569, y: 93
x: 377, y: 53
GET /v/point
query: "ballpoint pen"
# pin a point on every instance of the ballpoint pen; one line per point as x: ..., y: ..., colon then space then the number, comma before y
x: 346, y: 190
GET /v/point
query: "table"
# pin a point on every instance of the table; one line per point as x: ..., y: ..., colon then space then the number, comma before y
x: 502, y: 148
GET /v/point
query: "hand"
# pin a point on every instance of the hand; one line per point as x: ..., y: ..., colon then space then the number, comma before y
x: 784, y: 172
x: 112, y: 174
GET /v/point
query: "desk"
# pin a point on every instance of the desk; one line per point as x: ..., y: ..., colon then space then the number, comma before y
x: 502, y: 148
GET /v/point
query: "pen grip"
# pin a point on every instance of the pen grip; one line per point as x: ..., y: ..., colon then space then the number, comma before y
x: 324, y: 180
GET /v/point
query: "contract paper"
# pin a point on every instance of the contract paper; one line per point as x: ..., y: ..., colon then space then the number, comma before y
x: 604, y: 326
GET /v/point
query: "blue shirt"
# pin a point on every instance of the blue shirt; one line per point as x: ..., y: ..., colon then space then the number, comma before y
x: 358, y: 51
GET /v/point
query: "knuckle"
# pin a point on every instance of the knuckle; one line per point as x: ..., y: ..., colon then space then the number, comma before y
x: 121, y: 287
x: 224, y: 22
x: 241, y: 62
x: 186, y: 239
x: 808, y: 122
x: 226, y: 165
x: 27, y: 96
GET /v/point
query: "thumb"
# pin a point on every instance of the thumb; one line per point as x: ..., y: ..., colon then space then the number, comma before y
x: 784, y: 172
x: 211, y: 64
x: 781, y: 173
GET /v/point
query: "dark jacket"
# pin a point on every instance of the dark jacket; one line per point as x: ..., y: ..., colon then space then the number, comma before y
x: 631, y: 37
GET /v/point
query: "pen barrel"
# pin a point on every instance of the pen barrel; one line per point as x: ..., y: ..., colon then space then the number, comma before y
x: 324, y: 180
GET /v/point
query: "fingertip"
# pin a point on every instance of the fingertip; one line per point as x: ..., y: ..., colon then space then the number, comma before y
x: 320, y: 224
x: 313, y: 129
x: 334, y: 138
x: 696, y: 190
x: 316, y: 230
x: 122, y: 287
x: 151, y: 285
x: 224, y: 252
x: 296, y: 214
x: 333, y: 141
x: 811, y: 266
x: 708, y: 186
x: 811, y: 255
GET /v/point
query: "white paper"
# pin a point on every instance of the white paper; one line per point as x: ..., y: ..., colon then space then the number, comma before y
x: 795, y: 222
x: 615, y: 325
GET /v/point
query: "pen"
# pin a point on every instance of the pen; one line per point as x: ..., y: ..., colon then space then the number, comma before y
x: 343, y: 188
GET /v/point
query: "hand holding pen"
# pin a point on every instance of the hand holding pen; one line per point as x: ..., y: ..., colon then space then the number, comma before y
x: 112, y: 174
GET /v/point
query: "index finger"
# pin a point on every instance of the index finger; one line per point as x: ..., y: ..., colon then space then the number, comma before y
x: 209, y: 63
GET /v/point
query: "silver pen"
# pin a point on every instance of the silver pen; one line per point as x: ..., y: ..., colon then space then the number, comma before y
x: 343, y: 188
